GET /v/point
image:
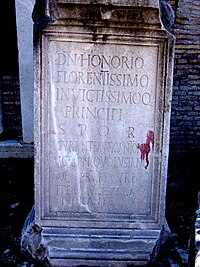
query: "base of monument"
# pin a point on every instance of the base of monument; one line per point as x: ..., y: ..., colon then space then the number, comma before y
x: 73, y: 247
x: 94, y: 263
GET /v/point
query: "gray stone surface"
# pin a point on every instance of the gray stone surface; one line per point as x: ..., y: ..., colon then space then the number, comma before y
x: 143, y: 3
x: 25, y: 47
x: 168, y: 250
x: 167, y: 15
x: 197, y: 235
x: 103, y: 77
x: 14, y: 149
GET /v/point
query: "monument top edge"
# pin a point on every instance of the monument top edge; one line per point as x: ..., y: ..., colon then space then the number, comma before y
x: 134, y: 3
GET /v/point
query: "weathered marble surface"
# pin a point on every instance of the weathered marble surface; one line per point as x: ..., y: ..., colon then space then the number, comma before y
x: 103, y: 76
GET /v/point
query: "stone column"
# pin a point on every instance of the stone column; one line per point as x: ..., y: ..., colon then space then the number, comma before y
x: 24, y: 24
x: 103, y: 84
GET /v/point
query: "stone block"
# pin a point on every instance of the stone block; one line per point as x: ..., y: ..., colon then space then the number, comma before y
x: 103, y: 81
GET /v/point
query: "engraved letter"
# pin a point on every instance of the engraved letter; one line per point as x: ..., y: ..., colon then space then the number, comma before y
x: 146, y: 98
x: 139, y: 63
x: 130, y: 132
x: 103, y: 130
x: 61, y: 129
x: 83, y: 127
x: 68, y: 109
x: 61, y: 58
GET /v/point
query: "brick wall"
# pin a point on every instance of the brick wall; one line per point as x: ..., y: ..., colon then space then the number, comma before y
x: 184, y: 171
x: 173, y: 3
x: 11, y: 109
x: 185, y: 120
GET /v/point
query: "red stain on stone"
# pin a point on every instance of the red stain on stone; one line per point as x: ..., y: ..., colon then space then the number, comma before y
x: 145, y: 148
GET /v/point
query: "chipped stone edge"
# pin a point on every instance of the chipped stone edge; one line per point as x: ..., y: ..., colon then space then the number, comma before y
x: 197, y: 234
x: 31, y: 240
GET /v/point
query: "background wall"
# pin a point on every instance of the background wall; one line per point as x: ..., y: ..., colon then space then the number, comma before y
x: 11, y: 107
x: 9, y: 77
x: 185, y: 120
x: 184, y: 168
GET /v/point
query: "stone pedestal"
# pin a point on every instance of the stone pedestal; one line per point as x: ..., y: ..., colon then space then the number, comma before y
x: 103, y: 81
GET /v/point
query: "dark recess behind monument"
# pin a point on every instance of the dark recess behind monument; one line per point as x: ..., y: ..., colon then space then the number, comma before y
x: 9, y: 51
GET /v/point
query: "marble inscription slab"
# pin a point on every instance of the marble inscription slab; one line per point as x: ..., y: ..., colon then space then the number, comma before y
x: 99, y: 129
